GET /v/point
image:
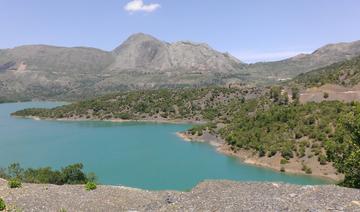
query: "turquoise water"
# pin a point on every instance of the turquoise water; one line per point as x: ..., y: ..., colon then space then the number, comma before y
x: 141, y: 155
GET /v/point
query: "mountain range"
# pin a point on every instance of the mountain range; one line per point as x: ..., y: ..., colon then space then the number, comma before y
x: 143, y: 62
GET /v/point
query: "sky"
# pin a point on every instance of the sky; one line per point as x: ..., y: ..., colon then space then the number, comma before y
x: 252, y: 30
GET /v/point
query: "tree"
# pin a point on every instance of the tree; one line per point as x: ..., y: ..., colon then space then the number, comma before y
x: 295, y: 94
x: 73, y: 174
x: 275, y: 93
x: 326, y: 95
x: 345, y: 150
x: 15, y: 171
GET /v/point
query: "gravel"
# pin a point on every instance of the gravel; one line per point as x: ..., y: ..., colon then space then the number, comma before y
x: 207, y: 196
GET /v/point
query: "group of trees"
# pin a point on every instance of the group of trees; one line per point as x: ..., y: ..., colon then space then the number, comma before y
x: 344, y: 148
x: 72, y: 174
x: 202, y: 103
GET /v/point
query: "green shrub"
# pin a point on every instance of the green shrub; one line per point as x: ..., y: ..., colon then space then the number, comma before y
x: 306, y: 169
x: 287, y: 153
x: 282, y: 169
x: 14, y: 183
x: 284, y: 161
x: 302, y: 152
x: 90, y: 186
x: 2, y: 205
x: 322, y: 159
x: 73, y: 174
x: 326, y: 95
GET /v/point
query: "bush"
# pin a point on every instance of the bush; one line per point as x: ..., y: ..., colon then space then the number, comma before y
x: 322, y: 159
x: 2, y: 205
x: 287, y: 153
x: 326, y: 95
x: 284, y: 161
x: 262, y: 152
x: 282, y: 169
x: 90, y: 186
x: 271, y: 153
x: 73, y: 174
x: 14, y: 183
x: 306, y: 169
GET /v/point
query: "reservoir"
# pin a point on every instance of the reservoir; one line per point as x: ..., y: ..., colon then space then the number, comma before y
x: 140, y: 155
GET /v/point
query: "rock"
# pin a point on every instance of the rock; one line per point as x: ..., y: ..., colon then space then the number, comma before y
x: 207, y: 196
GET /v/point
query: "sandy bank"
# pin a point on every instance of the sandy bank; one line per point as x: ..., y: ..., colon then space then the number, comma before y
x: 160, y: 121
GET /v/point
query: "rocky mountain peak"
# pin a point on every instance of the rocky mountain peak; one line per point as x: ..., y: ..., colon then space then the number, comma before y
x: 142, y: 52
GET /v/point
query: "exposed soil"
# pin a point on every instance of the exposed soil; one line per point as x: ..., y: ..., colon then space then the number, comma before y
x: 335, y: 92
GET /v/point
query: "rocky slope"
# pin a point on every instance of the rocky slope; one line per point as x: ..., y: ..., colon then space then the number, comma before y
x: 207, y: 196
x: 346, y: 73
x: 142, y: 62
x: 289, y: 68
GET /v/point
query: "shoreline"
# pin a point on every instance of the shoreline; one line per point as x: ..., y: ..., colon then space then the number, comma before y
x: 249, y: 157
x: 158, y: 121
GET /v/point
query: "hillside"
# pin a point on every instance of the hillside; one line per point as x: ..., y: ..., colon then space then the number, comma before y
x: 142, y: 61
x: 346, y: 73
x: 289, y: 68
x: 41, y: 72
x: 302, y: 137
x: 164, y: 104
x: 207, y: 196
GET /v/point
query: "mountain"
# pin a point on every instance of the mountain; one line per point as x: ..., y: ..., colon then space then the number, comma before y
x: 142, y: 61
x: 144, y: 52
x: 346, y: 73
x: 289, y: 68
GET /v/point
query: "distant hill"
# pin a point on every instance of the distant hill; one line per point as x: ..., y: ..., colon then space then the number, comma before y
x: 346, y: 73
x: 142, y: 62
x: 289, y: 68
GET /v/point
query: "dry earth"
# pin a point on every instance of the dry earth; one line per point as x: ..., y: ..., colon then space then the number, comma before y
x: 336, y: 92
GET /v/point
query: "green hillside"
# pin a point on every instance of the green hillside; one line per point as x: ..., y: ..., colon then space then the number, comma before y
x: 345, y: 73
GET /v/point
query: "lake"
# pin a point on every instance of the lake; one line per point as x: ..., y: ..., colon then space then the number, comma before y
x: 141, y: 155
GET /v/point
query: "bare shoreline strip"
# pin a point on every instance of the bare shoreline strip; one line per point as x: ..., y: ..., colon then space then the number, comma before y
x: 160, y: 121
x: 246, y: 156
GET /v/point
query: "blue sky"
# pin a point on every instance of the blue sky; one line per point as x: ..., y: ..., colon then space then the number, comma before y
x: 252, y: 30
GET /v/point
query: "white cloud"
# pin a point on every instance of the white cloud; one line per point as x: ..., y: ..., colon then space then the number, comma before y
x: 252, y: 57
x: 138, y: 5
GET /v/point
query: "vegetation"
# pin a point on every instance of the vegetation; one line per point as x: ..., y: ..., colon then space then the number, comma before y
x: 71, y: 174
x: 194, y: 104
x: 345, y: 73
x: 270, y: 127
x: 344, y: 149
x: 284, y: 161
x: 14, y: 183
x: 89, y: 186
x: 2, y: 205
x: 306, y: 169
